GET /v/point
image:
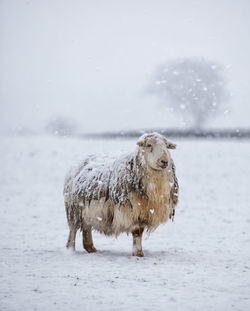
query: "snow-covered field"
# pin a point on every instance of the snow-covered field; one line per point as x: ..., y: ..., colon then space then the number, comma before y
x: 199, y: 262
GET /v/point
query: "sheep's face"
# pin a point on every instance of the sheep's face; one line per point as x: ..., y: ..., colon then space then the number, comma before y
x: 154, y: 148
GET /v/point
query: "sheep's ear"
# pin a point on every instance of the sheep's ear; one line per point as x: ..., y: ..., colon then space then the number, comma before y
x: 141, y: 143
x: 171, y: 145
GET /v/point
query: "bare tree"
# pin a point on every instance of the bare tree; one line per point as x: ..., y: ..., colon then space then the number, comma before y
x: 61, y: 126
x: 195, y: 88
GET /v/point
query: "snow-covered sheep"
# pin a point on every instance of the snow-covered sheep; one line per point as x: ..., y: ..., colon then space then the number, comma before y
x: 128, y: 193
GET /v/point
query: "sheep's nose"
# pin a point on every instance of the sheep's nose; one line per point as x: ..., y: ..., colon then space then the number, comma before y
x: 164, y: 163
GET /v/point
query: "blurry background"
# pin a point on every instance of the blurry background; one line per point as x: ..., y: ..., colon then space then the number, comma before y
x: 88, y: 65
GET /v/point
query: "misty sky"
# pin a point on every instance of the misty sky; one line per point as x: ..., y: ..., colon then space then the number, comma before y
x: 91, y: 60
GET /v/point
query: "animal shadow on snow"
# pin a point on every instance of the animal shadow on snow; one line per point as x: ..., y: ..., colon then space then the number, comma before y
x: 171, y: 255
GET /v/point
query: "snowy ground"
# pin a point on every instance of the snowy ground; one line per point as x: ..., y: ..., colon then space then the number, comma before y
x: 199, y: 262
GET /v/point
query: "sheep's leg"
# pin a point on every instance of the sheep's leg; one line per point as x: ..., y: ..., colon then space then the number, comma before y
x: 137, y: 238
x: 87, y: 239
x: 71, y: 238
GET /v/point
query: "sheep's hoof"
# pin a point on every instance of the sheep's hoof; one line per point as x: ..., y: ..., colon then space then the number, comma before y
x: 90, y: 248
x: 138, y: 254
x: 70, y: 247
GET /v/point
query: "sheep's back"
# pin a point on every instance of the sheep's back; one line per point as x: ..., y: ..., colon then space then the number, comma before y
x: 98, y: 176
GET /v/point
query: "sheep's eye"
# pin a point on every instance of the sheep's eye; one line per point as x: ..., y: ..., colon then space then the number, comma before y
x: 148, y: 145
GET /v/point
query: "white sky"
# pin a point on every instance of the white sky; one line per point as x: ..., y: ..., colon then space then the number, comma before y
x: 91, y: 60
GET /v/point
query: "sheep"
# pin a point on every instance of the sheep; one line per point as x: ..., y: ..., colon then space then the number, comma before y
x: 129, y: 193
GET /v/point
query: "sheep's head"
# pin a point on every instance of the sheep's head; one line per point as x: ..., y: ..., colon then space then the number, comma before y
x: 154, y: 148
